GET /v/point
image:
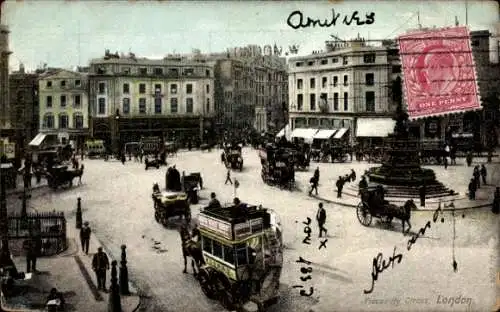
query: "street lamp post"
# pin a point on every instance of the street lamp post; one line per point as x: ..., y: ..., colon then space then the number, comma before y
x: 5, y: 259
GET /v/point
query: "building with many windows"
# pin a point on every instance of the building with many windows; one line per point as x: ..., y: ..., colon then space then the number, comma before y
x: 345, y: 87
x: 63, y: 106
x: 133, y: 97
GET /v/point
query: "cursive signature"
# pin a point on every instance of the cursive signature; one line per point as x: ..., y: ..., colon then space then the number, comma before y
x: 297, y: 20
x: 379, y: 266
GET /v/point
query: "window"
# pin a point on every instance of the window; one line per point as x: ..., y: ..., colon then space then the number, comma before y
x: 158, y: 105
x: 63, y: 83
x: 335, y: 60
x: 102, y: 88
x: 188, y: 71
x: 345, y: 60
x: 101, y: 110
x: 63, y: 100
x: 346, y: 101
x: 370, y: 101
x: 189, y: 105
x: 63, y: 121
x: 142, y: 106
x: 48, y: 121
x: 208, y: 88
x: 300, y: 84
x: 78, y: 83
x: 369, y: 58
x: 312, y: 83
x: 241, y: 254
x: 143, y: 71
x: 346, y: 83
x: 310, y: 63
x: 77, y: 100
x: 126, y: 106
x: 189, y: 88
x: 157, y: 88
x: 335, y: 81
x: 173, y: 105
x: 324, y: 82
x: 158, y: 71
x: 324, y: 62
x: 49, y: 101
x: 336, y: 101
x: 312, y: 101
x: 126, y: 70
x: 173, y: 88
x: 207, y: 73
x: 207, y: 244
x: 49, y: 84
x: 369, y: 79
x: 208, y: 105
x: 217, y: 249
x: 300, y: 101
x: 229, y: 254
x: 142, y: 88
x: 396, y: 69
x: 78, y: 121
x: 299, y: 64
x: 126, y: 88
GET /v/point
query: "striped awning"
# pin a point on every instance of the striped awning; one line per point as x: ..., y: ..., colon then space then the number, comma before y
x: 340, y: 133
x: 38, y: 140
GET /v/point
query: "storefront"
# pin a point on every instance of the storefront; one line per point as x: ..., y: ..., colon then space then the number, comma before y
x: 371, y: 131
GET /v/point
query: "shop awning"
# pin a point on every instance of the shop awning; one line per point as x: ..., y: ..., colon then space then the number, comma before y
x: 285, y: 131
x: 340, y: 133
x: 38, y: 140
x: 324, y: 134
x: 375, y: 127
x: 306, y: 134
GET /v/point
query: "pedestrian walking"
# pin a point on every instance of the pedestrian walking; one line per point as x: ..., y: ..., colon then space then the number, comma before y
x: 353, y: 175
x: 484, y: 173
x: 85, y: 232
x: 476, y: 174
x: 228, y: 177
x: 123, y: 158
x: 100, y: 264
x: 445, y: 162
x: 496, y: 201
x: 468, y: 158
x: 340, y: 185
x: 314, y: 185
x: 33, y: 247
x: 422, y: 193
x: 316, y: 174
x: 321, y: 218
x: 472, y: 189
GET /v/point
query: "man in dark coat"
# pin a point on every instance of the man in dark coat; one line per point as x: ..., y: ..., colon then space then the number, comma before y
x: 316, y: 174
x: 363, y: 184
x: 484, y: 173
x: 85, y: 232
x: 321, y: 218
x: 422, y: 192
x: 33, y: 247
x: 476, y: 176
x: 100, y: 264
x: 468, y: 158
x: 340, y: 185
x: 353, y: 175
x: 314, y: 185
x: 472, y: 189
x: 496, y: 201
x: 214, y: 202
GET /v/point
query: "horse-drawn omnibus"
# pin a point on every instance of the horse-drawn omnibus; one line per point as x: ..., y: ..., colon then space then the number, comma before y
x: 242, y: 251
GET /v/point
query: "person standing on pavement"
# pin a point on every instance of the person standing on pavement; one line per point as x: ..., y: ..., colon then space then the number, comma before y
x: 472, y: 189
x: 484, y: 173
x: 340, y: 185
x: 468, y: 158
x: 228, y: 177
x: 314, y: 185
x: 422, y: 191
x: 321, y: 218
x: 476, y: 176
x: 85, y: 232
x: 100, y: 264
x: 496, y: 201
x: 33, y: 247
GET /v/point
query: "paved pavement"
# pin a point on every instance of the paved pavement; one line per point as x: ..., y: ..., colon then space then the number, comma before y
x: 71, y: 273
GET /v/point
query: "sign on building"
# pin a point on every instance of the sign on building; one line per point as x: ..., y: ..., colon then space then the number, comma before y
x: 438, y: 72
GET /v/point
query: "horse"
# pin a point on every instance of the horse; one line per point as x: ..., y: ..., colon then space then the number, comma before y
x: 402, y: 213
x: 190, y: 248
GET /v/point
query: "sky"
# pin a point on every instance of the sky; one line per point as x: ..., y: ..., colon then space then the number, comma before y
x: 70, y: 33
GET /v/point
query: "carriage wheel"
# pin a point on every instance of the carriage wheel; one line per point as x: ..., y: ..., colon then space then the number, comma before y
x: 206, y: 284
x: 364, y: 216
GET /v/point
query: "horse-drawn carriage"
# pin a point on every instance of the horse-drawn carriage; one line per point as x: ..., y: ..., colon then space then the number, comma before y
x: 278, y: 167
x: 238, y: 254
x: 61, y: 176
x: 190, y: 185
x: 232, y: 157
x: 169, y: 204
x: 152, y: 163
x: 373, y: 205
x: 340, y: 153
